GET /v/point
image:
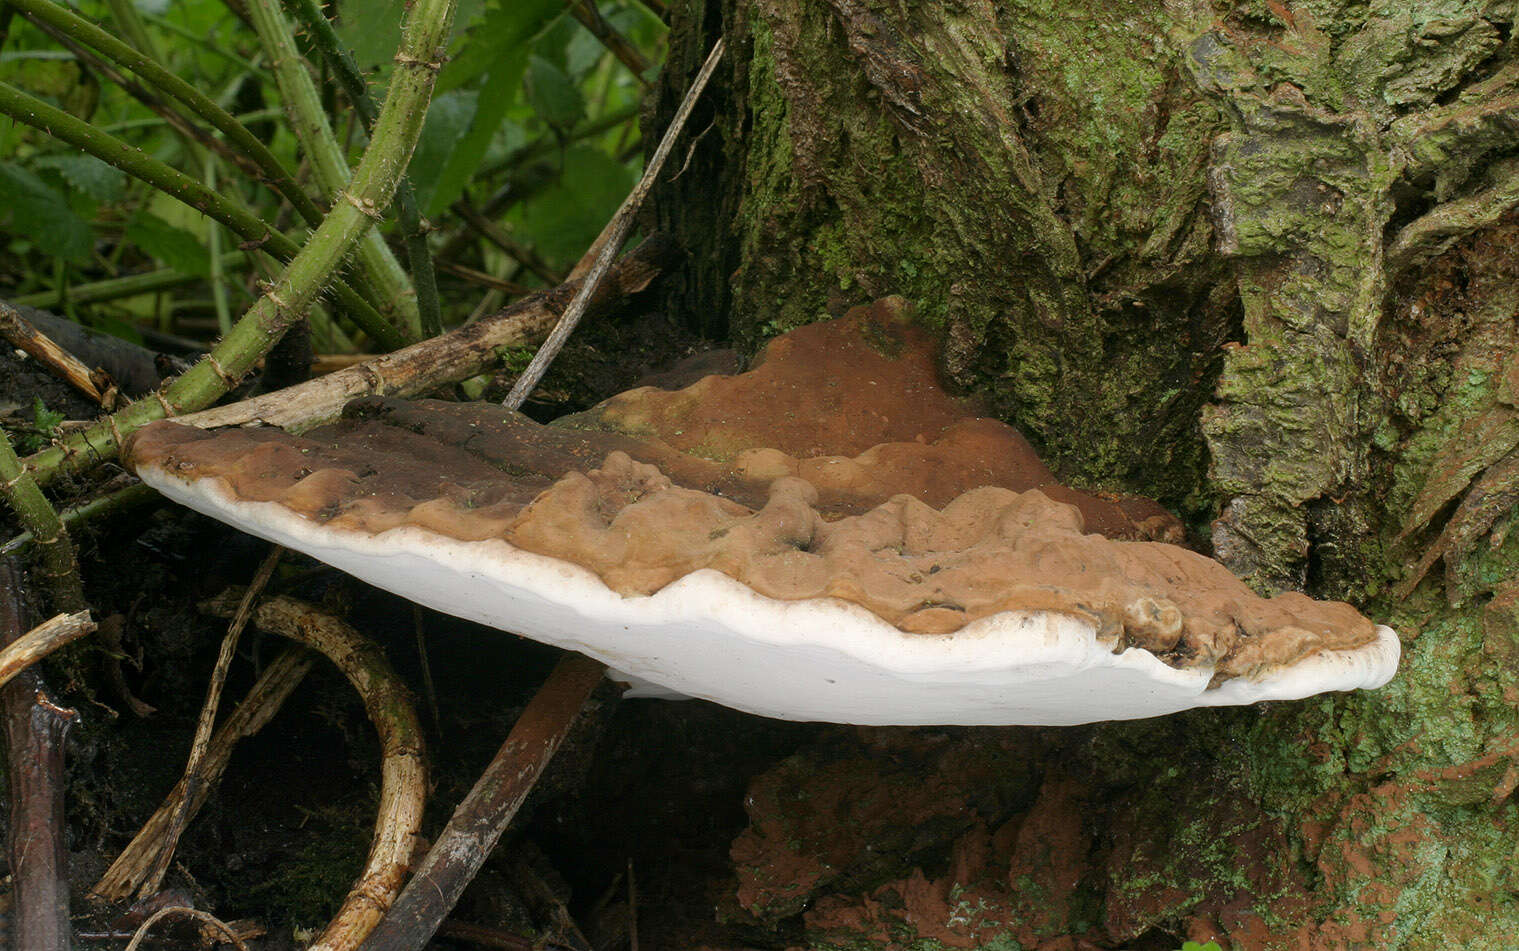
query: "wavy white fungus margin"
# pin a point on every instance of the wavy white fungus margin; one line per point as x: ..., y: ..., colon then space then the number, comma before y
x: 709, y: 636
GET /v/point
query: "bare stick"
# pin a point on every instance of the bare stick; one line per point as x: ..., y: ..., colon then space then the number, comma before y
x: 35, y: 728
x: 41, y: 641
x: 264, y: 699
x: 611, y: 239
x: 457, y: 355
x: 484, y: 814
x: 19, y: 333
x: 194, y: 778
x: 183, y: 911
x: 618, y: 45
x: 403, y: 775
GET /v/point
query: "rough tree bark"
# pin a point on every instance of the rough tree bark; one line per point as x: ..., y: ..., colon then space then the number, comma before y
x: 1258, y: 259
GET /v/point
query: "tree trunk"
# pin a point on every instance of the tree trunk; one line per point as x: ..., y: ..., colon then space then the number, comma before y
x: 1258, y: 261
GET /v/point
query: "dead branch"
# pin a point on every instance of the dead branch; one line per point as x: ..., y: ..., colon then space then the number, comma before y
x: 454, y: 356
x: 484, y: 814
x: 35, y: 728
x: 194, y: 778
x: 403, y: 774
x: 183, y: 911
x: 264, y: 699
x: 19, y: 333
x: 609, y: 242
x: 41, y: 641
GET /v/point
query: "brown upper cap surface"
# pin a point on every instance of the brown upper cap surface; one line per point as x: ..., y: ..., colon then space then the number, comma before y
x: 838, y: 467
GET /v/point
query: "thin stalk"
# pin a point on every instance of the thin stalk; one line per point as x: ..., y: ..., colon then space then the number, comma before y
x: 303, y: 107
x: 132, y: 285
x: 610, y: 240
x: 151, y: 72
x: 618, y: 45
x: 214, y: 238
x: 131, y: 26
x: 37, y: 516
x: 194, y: 137
x: 119, y: 501
x: 413, y: 228
x: 424, y: 35
x: 142, y: 61
x: 274, y: 686
x: 194, y: 774
x: 130, y: 125
x: 212, y: 48
x: 59, y: 124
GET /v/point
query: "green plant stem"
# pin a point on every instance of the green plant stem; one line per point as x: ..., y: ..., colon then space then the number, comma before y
x: 424, y: 34
x: 413, y: 228
x: 214, y: 239
x: 155, y: 75
x: 59, y: 124
x: 131, y: 26
x: 132, y: 285
x: 145, y: 64
x: 195, y: 138
x: 303, y: 107
x: 212, y: 48
x: 119, y: 501
x: 129, y: 125
x: 37, y: 516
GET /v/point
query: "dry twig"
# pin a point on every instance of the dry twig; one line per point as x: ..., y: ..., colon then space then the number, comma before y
x: 484, y: 814
x: 264, y: 699
x: 457, y: 355
x: 183, y: 911
x: 35, y: 728
x: 605, y: 248
x: 19, y: 333
x: 42, y: 640
x: 403, y: 775
x: 194, y: 777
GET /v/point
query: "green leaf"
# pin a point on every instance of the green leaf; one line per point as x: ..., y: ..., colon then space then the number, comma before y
x: 495, y: 98
x: 88, y: 174
x: 505, y: 29
x: 552, y: 94
x: 448, y: 120
x: 512, y: 34
x: 32, y: 209
x: 371, y: 29
x: 565, y: 218
x: 175, y: 247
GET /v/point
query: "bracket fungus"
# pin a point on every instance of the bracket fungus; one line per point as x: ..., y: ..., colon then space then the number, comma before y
x: 828, y: 536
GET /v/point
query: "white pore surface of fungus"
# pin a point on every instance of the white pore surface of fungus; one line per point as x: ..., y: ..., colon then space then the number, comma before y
x: 709, y: 636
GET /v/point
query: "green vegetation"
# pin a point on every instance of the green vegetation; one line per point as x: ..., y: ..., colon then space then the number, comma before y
x: 178, y: 142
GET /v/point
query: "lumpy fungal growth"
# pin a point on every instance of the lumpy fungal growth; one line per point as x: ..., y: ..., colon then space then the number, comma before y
x: 827, y: 536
